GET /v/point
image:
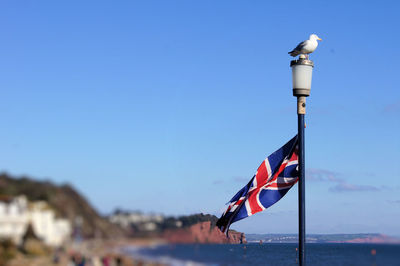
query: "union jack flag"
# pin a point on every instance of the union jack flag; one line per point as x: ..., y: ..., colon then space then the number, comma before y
x: 273, y: 179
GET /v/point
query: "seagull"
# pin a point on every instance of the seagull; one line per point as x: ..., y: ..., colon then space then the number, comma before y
x: 306, y: 47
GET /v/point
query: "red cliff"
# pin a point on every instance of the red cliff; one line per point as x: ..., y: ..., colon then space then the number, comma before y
x: 203, y: 232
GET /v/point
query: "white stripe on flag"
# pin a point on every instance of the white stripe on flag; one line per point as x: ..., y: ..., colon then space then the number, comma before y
x: 258, y: 200
x: 291, y: 163
x: 254, y: 183
x: 282, y: 180
x: 268, y: 166
x: 248, y: 209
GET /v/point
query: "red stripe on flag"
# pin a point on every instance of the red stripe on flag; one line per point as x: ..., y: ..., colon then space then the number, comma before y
x: 254, y: 206
x: 262, y: 175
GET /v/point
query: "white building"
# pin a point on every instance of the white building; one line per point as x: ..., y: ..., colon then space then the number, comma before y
x: 146, y: 222
x: 17, y: 213
x: 14, y: 218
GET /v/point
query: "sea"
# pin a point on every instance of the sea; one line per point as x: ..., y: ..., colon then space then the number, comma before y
x: 268, y: 254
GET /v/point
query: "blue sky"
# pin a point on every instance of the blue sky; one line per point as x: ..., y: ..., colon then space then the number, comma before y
x: 170, y: 106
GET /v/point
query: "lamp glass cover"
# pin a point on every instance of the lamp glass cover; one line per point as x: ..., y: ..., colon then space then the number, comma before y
x: 301, y: 76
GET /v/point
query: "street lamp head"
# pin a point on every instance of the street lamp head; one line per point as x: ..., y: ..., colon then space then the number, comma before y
x: 301, y: 76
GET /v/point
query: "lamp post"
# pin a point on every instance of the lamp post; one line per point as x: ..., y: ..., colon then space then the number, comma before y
x: 301, y: 77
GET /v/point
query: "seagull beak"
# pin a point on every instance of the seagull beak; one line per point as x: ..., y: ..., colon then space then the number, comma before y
x: 319, y: 39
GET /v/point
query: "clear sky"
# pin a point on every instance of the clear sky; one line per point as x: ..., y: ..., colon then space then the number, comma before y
x: 170, y: 106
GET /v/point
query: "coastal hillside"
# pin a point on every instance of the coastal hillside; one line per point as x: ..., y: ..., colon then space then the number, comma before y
x: 324, y: 238
x: 195, y: 228
x: 66, y: 202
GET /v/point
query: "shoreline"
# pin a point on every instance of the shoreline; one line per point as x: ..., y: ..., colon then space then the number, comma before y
x: 93, y: 252
x: 122, y: 252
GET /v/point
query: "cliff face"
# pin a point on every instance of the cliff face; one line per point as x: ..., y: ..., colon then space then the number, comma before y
x: 203, y: 232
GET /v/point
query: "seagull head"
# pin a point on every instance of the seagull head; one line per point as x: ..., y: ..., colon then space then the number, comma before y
x: 315, y: 37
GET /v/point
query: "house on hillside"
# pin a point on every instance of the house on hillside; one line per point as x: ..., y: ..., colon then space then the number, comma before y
x: 141, y: 222
x: 16, y: 213
x: 13, y: 217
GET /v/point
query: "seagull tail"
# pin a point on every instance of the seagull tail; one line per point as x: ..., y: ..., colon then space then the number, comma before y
x: 294, y: 53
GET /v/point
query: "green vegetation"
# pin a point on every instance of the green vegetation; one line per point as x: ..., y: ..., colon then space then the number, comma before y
x: 8, y: 251
x: 197, y: 218
x: 187, y: 221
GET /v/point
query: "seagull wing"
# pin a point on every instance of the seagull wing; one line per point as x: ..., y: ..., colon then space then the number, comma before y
x: 296, y: 51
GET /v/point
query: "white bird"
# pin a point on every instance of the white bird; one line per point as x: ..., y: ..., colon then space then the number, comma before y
x: 306, y: 47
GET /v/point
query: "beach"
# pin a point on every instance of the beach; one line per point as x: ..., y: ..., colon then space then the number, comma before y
x: 91, y: 252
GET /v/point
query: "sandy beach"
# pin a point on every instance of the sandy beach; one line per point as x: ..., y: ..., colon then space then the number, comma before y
x: 91, y: 252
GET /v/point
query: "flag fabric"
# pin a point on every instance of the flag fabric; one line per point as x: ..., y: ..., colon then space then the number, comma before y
x: 273, y: 179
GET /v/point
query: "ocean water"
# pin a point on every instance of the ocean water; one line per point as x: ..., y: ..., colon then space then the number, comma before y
x: 269, y: 254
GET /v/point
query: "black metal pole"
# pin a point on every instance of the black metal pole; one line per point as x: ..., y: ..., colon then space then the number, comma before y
x: 302, y: 75
x: 302, y: 218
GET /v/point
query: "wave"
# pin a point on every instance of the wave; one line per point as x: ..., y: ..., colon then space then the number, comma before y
x: 151, y: 254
